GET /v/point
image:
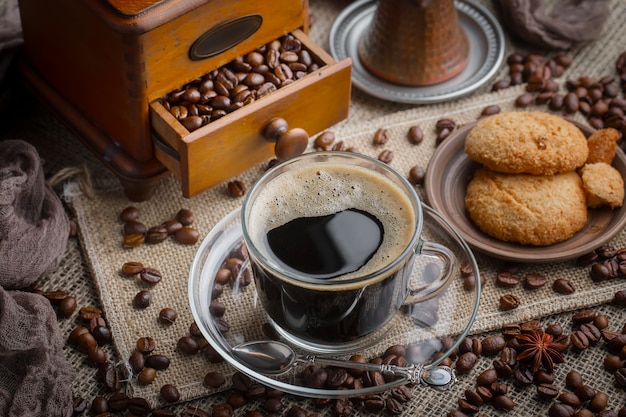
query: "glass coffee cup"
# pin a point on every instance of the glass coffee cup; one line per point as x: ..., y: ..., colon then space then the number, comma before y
x: 332, y: 238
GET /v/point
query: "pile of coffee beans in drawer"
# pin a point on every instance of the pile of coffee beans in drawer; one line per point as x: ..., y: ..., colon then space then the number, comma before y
x: 240, y: 82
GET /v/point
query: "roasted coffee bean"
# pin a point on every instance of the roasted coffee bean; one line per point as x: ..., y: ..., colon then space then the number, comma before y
x: 272, y: 405
x: 556, y: 102
x: 445, y: 124
x: 336, y: 377
x: 487, y: 377
x: 385, y: 156
x: 465, y: 362
x: 171, y: 226
x: 415, y: 135
x: 217, y: 308
x: 118, y: 402
x: 547, y: 391
x: 507, y: 279
x: 499, y: 388
x: 55, y: 296
x: 485, y: 393
x: 142, y: 299
x: 534, y: 281
x: 601, y: 321
x: 573, y: 380
x: 89, y: 312
x: 510, y: 329
x: 509, y: 356
x: 503, y: 369
x: 130, y: 213
x: 343, y: 407
x: 86, y: 342
x: 169, y: 393
x: 523, y: 376
x: 471, y: 344
x: 585, y: 392
x: 99, y: 405
x: 167, y: 316
x: 187, y: 344
x: 563, y: 286
x: 473, y: 397
x: 186, y: 235
x: 79, y: 405
x: 132, y: 268
x: 599, y: 402
x: 560, y: 410
x: 592, y: 332
x: 613, y: 362
x: 146, y: 376
x: 509, y: 302
x: 139, y: 406
x: 381, y: 137
x: 619, y: 298
x: 145, y: 344
x: 583, y: 316
x: 236, y: 188
x: 490, y: 110
x: 134, y: 227
x: 503, y: 402
x: 156, y: 234
x: 236, y: 400
x: 214, y: 379
x: 102, y: 334
x: 110, y: 377
x: 158, y: 362
x: 442, y: 135
x: 570, y: 399
x: 97, y: 356
x: 524, y: 100
x: 374, y: 403
x: 67, y: 306
x: 134, y: 240
x: 324, y: 141
x: 492, y: 345
x: 579, y: 340
x: 393, y: 406
x: 417, y: 174
x: 150, y: 275
x: 136, y: 361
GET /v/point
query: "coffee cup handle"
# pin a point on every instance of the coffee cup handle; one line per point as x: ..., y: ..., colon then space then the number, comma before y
x: 432, y: 286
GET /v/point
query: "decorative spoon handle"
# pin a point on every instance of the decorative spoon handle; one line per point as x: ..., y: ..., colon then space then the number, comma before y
x: 438, y: 377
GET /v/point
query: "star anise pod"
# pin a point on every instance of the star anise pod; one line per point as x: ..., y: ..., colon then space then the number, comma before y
x: 539, y: 348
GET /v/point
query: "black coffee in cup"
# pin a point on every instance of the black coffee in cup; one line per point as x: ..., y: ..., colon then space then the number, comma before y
x: 330, y: 242
x: 326, y: 246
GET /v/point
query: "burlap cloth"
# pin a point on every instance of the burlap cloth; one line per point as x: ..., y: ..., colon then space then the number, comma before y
x: 91, y: 268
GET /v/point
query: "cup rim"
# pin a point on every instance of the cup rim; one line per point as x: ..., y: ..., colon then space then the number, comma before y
x: 363, y: 280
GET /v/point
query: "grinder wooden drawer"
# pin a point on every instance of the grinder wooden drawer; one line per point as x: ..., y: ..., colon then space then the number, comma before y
x: 230, y: 145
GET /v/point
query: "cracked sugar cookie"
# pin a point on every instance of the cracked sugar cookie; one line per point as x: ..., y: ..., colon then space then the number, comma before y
x: 527, y: 142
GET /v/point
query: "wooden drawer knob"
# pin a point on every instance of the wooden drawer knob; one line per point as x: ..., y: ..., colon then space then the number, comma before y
x: 288, y: 142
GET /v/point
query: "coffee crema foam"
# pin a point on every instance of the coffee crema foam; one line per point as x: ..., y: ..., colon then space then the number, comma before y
x: 325, y: 188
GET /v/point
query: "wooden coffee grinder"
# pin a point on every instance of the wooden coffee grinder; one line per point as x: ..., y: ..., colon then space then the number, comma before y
x: 102, y: 66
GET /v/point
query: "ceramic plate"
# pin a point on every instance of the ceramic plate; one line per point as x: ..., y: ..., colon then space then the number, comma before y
x: 419, y: 325
x: 450, y: 170
x: 483, y: 31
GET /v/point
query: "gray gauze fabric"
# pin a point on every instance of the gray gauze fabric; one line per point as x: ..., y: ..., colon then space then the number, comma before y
x: 562, y: 24
x: 35, y: 377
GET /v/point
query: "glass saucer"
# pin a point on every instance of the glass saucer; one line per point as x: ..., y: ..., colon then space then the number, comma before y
x: 429, y: 331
